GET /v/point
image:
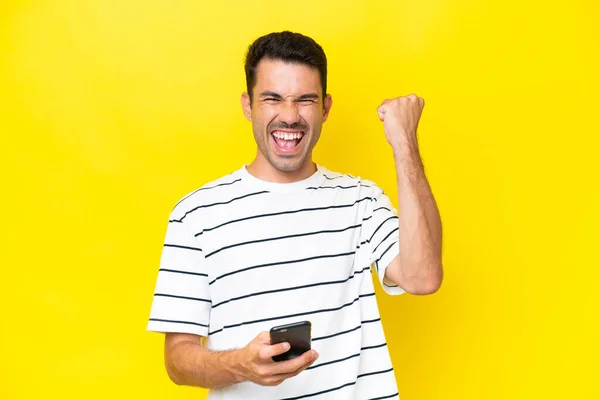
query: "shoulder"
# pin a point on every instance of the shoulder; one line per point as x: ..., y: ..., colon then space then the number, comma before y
x: 367, y: 189
x: 216, y: 190
x: 346, y: 180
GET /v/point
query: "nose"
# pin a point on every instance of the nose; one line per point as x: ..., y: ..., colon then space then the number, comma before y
x: 289, y: 113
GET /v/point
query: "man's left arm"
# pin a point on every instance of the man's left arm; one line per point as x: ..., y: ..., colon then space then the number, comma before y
x: 418, y: 267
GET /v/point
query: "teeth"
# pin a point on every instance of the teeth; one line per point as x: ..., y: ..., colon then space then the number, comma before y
x: 287, y: 135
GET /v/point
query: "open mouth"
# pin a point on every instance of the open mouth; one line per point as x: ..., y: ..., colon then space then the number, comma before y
x: 287, y: 141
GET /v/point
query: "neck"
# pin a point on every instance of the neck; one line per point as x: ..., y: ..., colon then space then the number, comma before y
x: 262, y: 169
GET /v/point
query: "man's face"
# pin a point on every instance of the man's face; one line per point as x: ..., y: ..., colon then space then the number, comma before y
x: 287, y: 112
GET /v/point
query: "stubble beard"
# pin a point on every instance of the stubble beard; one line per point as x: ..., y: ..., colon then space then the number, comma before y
x: 285, y: 163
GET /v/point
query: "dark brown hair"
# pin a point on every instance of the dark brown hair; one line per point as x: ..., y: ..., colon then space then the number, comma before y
x: 285, y: 46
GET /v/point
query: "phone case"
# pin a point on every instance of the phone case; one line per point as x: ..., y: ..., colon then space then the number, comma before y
x: 296, y: 334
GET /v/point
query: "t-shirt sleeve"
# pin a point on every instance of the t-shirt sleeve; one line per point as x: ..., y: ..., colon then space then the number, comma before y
x: 380, y: 234
x: 181, y: 301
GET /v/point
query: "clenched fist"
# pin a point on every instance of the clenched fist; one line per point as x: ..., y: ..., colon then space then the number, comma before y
x: 400, y: 118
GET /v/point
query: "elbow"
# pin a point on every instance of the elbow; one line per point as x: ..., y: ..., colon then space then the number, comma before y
x: 171, y: 366
x: 175, y: 377
x: 180, y: 355
x: 423, y: 289
x: 425, y: 285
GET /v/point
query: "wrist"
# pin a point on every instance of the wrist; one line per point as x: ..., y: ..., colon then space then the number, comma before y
x: 405, y: 150
x: 403, y: 141
x: 237, y: 365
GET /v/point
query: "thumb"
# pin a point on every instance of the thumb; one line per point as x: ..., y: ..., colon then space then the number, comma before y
x: 381, y: 112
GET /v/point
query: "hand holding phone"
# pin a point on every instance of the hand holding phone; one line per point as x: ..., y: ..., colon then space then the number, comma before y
x: 256, y: 363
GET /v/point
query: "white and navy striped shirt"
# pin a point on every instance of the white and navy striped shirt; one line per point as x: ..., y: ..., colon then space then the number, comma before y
x: 242, y: 255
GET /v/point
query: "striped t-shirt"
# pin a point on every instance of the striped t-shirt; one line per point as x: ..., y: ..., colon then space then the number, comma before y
x: 242, y: 255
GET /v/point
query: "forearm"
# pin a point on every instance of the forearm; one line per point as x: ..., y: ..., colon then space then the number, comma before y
x: 420, y: 227
x: 191, y: 364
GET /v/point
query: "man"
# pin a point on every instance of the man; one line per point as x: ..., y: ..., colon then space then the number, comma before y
x: 284, y: 240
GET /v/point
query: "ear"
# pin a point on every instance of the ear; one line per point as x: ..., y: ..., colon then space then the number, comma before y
x: 247, y: 106
x: 327, y: 103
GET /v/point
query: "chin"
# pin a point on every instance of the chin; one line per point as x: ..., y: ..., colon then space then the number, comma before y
x: 287, y: 165
x: 287, y: 162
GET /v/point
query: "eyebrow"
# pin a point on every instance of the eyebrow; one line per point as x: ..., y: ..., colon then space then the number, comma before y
x: 270, y: 94
x: 307, y: 96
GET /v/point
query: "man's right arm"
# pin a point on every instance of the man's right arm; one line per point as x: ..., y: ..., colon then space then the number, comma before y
x: 189, y: 363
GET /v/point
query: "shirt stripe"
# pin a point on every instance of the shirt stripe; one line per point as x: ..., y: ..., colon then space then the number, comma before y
x: 179, y: 322
x: 283, y: 237
x: 280, y: 263
x: 339, y: 387
x: 291, y: 288
x: 287, y: 212
x: 181, y: 247
x: 302, y: 314
x: 182, y: 297
x: 206, y: 188
x: 216, y: 204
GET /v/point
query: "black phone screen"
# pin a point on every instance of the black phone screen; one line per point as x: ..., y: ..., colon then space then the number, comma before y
x: 296, y: 334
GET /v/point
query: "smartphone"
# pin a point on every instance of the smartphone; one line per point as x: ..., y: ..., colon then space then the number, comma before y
x: 296, y: 334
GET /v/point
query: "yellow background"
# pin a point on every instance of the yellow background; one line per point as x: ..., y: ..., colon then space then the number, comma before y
x: 112, y: 110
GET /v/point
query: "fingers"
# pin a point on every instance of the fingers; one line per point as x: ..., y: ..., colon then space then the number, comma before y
x: 267, y: 352
x: 410, y: 97
x: 281, y: 377
x: 414, y: 98
x: 270, y: 373
x: 381, y: 110
x: 387, y: 103
x: 295, y: 365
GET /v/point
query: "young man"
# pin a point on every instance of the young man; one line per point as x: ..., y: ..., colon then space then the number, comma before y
x: 284, y: 240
